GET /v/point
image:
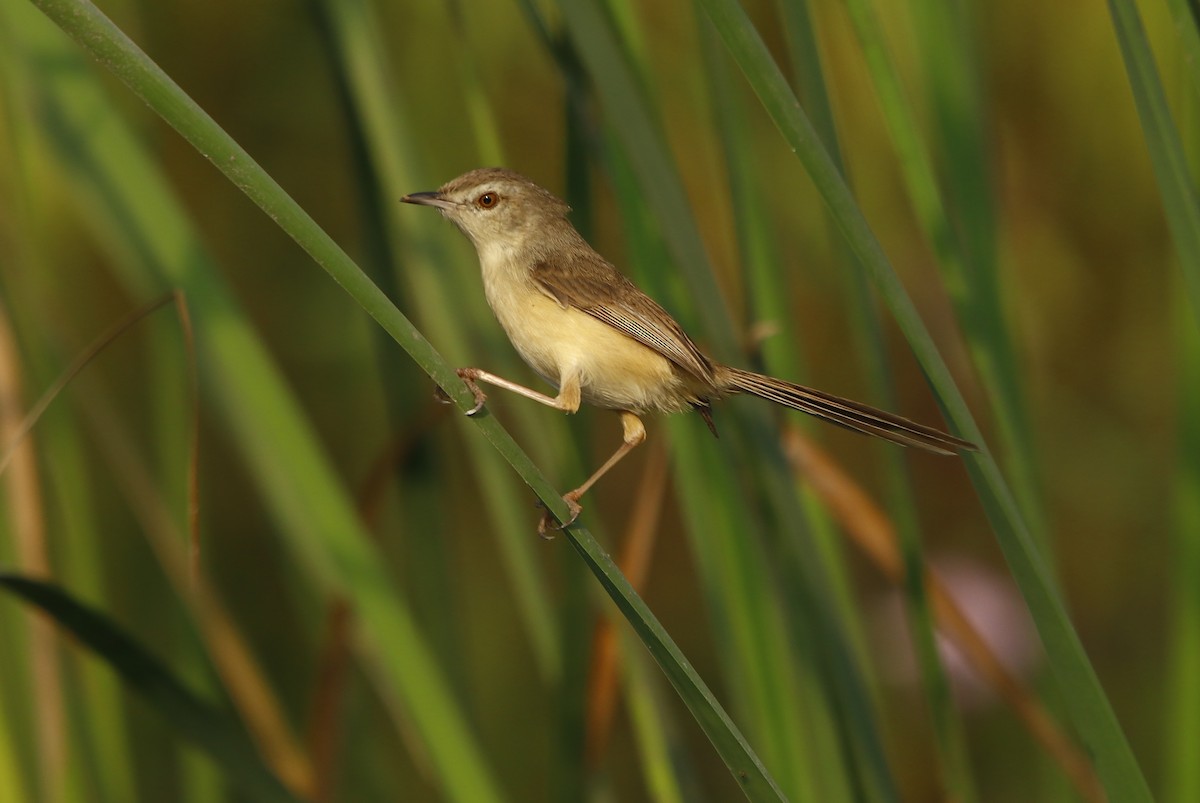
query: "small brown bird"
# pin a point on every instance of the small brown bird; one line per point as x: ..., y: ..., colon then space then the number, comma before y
x: 587, y: 330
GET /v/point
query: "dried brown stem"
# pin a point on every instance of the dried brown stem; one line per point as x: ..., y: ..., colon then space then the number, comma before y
x: 634, y: 559
x: 872, y: 532
x: 333, y: 665
x: 246, y: 684
x: 24, y: 493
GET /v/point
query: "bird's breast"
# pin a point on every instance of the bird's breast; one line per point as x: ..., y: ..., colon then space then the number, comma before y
x: 559, y: 343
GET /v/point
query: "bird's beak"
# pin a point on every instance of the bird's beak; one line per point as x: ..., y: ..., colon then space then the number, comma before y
x: 428, y: 199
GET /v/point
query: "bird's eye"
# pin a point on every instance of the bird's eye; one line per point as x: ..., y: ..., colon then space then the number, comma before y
x: 487, y: 200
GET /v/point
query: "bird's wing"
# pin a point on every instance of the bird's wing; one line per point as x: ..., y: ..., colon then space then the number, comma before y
x: 603, y: 292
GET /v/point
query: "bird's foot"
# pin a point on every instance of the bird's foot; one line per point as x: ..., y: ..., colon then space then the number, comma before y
x: 548, y: 523
x: 468, y: 376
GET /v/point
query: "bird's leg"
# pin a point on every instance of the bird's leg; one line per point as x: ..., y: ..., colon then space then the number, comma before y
x: 567, y: 398
x: 635, y: 433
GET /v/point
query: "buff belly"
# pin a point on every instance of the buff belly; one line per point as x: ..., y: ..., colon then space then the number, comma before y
x: 614, y: 370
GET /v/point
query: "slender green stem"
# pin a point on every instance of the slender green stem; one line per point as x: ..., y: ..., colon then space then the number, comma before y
x: 1180, y: 201
x: 1084, y: 697
x: 210, y: 729
x: 92, y: 30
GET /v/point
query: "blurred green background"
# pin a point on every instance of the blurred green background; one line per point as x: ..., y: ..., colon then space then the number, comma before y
x: 349, y: 106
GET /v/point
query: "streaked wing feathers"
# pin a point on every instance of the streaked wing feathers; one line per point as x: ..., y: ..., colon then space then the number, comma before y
x: 603, y: 292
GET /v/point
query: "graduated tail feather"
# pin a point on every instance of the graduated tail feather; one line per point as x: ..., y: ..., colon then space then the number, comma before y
x: 844, y: 412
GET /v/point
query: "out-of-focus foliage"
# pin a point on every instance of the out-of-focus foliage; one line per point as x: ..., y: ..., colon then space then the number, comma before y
x: 350, y: 105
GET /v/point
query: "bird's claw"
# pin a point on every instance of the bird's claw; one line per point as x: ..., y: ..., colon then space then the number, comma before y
x: 548, y: 523
x: 467, y: 375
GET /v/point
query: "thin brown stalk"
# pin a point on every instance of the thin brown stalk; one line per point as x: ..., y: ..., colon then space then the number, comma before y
x: 247, y: 686
x: 193, y: 467
x: 23, y: 489
x: 13, y: 439
x: 243, y: 679
x: 325, y: 711
x: 633, y: 557
x: 872, y: 532
x: 333, y: 665
x: 372, y: 489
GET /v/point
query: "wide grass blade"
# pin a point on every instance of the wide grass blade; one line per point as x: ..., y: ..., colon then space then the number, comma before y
x: 1183, y: 690
x: 1084, y: 697
x: 770, y: 292
x: 806, y: 587
x: 1180, y: 201
x: 209, y: 728
x: 331, y: 540
x: 11, y: 776
x: 751, y: 636
x: 752, y: 639
x: 390, y: 146
x: 668, y: 776
x: 80, y: 552
x: 1187, y: 25
x: 1182, y: 700
x: 282, y: 449
x: 602, y: 53
x: 953, y: 206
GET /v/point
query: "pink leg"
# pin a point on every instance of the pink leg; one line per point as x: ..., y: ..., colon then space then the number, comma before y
x: 635, y: 433
x: 567, y: 398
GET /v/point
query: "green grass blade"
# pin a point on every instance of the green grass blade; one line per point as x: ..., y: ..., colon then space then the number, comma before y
x: 1182, y: 700
x: 389, y: 143
x: 770, y: 298
x: 977, y: 303
x: 84, y: 564
x: 1183, y: 695
x: 1187, y: 25
x: 669, y: 778
x: 751, y: 638
x: 331, y: 541
x: 208, y: 728
x: 1180, y: 201
x: 956, y: 213
x: 804, y: 584
x: 961, y: 141
x: 11, y: 774
x: 751, y: 635
x: 753, y: 779
x: 808, y: 75
x: 1084, y: 697
x: 100, y: 705
x: 598, y: 47
x: 282, y: 449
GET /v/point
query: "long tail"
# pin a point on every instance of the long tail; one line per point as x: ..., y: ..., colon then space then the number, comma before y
x: 843, y: 412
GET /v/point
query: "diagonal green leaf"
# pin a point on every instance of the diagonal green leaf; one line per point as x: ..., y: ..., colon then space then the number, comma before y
x: 592, y: 34
x: 1180, y: 202
x: 1187, y: 25
x: 955, y: 213
x: 347, y: 558
x: 947, y: 728
x: 1084, y: 697
x: 211, y: 729
x: 388, y: 140
x: 1183, y: 699
x: 807, y: 586
x: 298, y: 480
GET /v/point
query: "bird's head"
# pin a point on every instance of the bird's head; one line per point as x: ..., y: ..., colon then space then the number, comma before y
x: 495, y: 207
